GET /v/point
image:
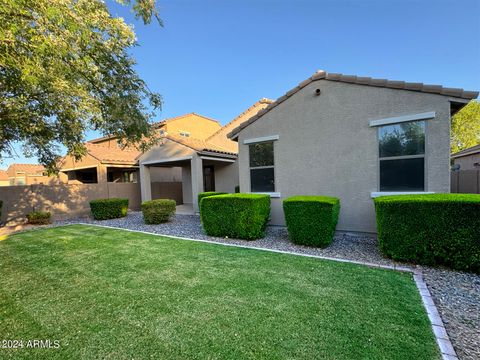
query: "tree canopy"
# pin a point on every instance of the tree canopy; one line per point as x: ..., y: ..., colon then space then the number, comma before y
x: 65, y: 69
x: 466, y: 127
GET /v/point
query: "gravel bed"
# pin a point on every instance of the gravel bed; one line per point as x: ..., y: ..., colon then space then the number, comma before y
x: 457, y: 297
x: 345, y: 246
x: 456, y: 294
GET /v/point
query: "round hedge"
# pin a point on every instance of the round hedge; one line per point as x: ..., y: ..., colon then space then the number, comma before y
x: 158, y: 211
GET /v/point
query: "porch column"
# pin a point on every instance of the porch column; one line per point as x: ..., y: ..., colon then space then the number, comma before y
x: 145, y: 184
x: 197, y: 179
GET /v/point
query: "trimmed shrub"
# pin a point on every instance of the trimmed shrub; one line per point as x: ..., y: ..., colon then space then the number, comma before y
x: 241, y: 216
x: 311, y: 220
x: 436, y: 229
x: 207, y: 193
x: 104, y: 209
x: 158, y: 211
x: 39, y: 217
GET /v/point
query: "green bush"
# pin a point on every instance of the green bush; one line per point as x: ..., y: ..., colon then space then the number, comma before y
x: 104, y: 209
x: 242, y: 216
x: 207, y: 193
x: 39, y: 217
x: 311, y: 220
x: 158, y: 211
x: 436, y: 229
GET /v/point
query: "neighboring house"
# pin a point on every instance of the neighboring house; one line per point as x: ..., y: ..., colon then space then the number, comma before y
x: 101, y: 164
x: 350, y: 137
x: 28, y: 174
x: 468, y: 159
x: 107, y: 160
x: 207, y: 164
x: 4, y: 181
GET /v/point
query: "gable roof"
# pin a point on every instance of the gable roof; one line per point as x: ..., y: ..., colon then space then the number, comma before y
x: 199, y: 145
x: 159, y: 123
x: 106, y: 154
x: 470, y: 151
x: 353, y: 79
x: 156, y: 125
x: 28, y: 169
x: 221, y: 134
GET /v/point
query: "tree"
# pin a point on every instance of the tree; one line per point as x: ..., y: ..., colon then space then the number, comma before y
x: 466, y: 127
x: 64, y: 69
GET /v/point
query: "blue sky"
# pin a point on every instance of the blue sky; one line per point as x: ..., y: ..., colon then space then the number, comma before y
x: 217, y: 58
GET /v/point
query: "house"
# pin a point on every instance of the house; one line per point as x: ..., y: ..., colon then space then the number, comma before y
x: 101, y: 164
x: 350, y: 137
x: 108, y: 160
x: 207, y: 163
x: 468, y: 159
x: 28, y: 174
x: 4, y: 181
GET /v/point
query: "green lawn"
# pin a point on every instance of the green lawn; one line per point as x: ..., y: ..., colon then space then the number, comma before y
x: 114, y: 294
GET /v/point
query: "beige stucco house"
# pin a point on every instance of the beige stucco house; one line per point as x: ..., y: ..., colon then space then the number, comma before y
x: 29, y: 174
x: 4, y: 180
x: 108, y: 160
x: 207, y: 163
x: 350, y: 137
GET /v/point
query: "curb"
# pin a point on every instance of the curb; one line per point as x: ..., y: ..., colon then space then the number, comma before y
x: 441, y: 336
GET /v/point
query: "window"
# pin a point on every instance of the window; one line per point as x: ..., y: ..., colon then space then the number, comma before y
x: 262, y: 177
x: 184, y: 133
x: 402, y: 156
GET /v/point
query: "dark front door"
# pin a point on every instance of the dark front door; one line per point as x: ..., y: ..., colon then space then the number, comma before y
x: 208, y: 178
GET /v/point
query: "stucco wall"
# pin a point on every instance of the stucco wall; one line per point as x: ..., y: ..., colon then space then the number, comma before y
x: 198, y: 127
x: 226, y: 177
x: 166, y: 174
x: 64, y: 201
x: 327, y: 147
x: 187, y: 184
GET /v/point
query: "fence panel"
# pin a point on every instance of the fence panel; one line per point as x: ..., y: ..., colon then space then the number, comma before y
x: 465, y: 181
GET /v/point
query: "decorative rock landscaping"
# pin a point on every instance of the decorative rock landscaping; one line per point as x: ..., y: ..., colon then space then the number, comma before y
x: 456, y: 294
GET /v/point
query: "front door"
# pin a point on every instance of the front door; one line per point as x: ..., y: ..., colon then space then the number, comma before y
x: 208, y: 178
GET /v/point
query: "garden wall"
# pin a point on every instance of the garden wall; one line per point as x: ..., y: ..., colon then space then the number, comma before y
x: 63, y: 200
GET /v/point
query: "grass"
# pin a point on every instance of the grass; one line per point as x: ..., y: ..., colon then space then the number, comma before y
x: 114, y: 294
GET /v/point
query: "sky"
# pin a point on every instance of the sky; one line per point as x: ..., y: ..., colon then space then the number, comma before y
x: 217, y: 58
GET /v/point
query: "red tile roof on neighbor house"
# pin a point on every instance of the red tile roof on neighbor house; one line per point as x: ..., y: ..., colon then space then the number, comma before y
x: 470, y: 151
x: 112, y: 154
x: 353, y: 79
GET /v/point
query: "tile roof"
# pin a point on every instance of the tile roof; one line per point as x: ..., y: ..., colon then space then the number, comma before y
x: 112, y: 154
x: 199, y: 145
x: 353, y: 79
x: 244, y: 116
x: 26, y: 168
x: 471, y: 150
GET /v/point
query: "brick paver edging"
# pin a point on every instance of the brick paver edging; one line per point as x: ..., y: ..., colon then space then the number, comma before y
x: 441, y: 335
